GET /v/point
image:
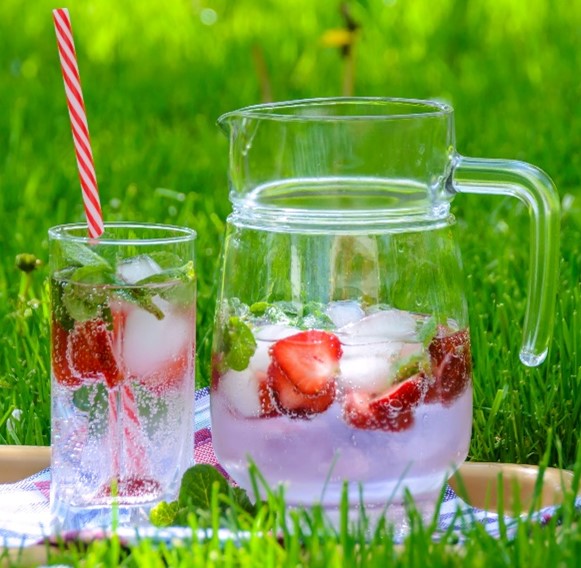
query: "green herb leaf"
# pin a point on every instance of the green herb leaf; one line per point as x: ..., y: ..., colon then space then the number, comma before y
x: 141, y: 297
x: 59, y: 310
x: 259, y: 308
x: 290, y: 309
x: 164, y: 514
x: 240, y: 498
x: 408, y: 368
x: 239, y: 344
x: 93, y: 274
x: 183, y: 290
x: 181, y: 294
x: 195, y: 497
x: 77, y: 254
x: 94, y: 400
x: 196, y: 488
x: 428, y: 330
x: 83, y: 295
x: 82, y: 300
x: 314, y: 316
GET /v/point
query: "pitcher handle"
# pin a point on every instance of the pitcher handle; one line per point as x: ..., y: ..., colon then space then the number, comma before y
x: 537, y: 191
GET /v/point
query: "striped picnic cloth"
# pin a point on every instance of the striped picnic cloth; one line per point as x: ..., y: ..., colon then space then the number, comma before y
x: 25, y: 516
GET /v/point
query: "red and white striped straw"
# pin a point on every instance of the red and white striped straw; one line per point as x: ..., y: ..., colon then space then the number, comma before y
x: 126, y: 428
x: 78, y: 116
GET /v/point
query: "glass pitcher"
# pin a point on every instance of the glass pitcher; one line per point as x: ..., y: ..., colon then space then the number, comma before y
x: 341, y: 346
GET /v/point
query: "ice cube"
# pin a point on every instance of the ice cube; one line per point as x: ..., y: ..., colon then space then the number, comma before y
x: 275, y: 332
x: 137, y: 268
x: 265, y: 337
x: 368, y: 366
x: 241, y: 391
x: 387, y: 324
x: 149, y: 344
x: 344, y: 312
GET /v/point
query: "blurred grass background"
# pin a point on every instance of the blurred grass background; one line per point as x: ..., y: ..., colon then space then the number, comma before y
x: 156, y: 75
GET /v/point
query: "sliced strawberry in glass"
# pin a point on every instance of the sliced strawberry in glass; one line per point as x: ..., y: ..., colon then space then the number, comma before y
x: 60, y: 364
x: 451, y: 367
x: 391, y: 411
x: 356, y: 411
x: 302, y: 374
x: 89, y: 353
x: 171, y: 375
x: 394, y: 410
x: 309, y: 359
x: 268, y: 407
x: 133, y: 486
x: 291, y: 401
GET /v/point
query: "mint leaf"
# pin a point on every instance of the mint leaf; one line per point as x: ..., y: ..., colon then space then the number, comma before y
x: 428, y: 330
x: 181, y: 294
x: 408, y: 368
x: 87, y: 398
x: 94, y: 400
x: 239, y: 344
x: 195, y: 497
x: 275, y: 314
x: 93, y: 274
x: 259, y: 308
x: 141, y: 297
x: 83, y: 303
x: 237, y: 308
x: 59, y: 310
x: 290, y: 309
x: 196, y: 488
x: 183, y: 290
x: 240, y: 498
x: 314, y: 316
x: 77, y: 254
x: 164, y: 514
x: 82, y: 299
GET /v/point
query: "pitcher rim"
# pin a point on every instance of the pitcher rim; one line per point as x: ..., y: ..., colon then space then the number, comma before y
x: 268, y: 111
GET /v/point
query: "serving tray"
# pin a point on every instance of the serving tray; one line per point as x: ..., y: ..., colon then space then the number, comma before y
x: 479, y: 484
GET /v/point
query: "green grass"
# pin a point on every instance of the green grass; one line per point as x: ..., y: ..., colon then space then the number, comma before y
x: 155, y: 80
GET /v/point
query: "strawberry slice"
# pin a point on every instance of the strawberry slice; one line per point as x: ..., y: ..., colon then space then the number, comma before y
x: 392, y: 411
x: 309, y: 359
x: 60, y: 365
x: 291, y: 401
x: 356, y: 411
x: 302, y: 374
x: 133, y: 486
x: 89, y: 353
x: 268, y: 408
x: 171, y: 375
x: 451, y: 366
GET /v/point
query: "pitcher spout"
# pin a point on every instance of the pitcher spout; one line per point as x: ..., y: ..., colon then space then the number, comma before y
x: 225, y: 122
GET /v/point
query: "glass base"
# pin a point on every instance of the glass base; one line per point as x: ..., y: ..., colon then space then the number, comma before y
x: 66, y: 518
x: 395, y: 515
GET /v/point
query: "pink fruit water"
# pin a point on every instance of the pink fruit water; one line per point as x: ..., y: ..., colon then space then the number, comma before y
x: 122, y: 411
x: 399, y: 419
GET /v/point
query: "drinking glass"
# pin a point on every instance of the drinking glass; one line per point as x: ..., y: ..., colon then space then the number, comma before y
x: 123, y: 331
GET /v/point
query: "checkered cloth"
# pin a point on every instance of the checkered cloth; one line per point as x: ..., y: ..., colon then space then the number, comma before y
x: 25, y: 518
